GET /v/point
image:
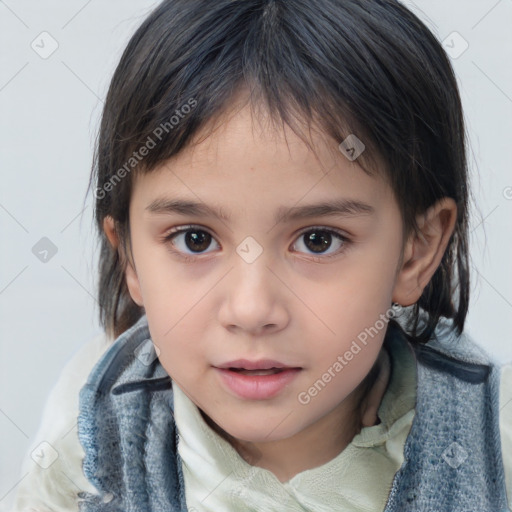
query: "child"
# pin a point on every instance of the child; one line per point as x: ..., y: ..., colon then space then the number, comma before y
x: 282, y: 199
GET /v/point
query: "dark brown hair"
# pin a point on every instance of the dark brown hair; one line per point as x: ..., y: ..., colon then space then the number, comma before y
x: 367, y: 67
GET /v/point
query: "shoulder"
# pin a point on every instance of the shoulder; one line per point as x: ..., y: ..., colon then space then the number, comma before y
x: 52, y: 467
x: 462, y: 356
x: 60, y: 412
x: 466, y: 348
x: 506, y: 424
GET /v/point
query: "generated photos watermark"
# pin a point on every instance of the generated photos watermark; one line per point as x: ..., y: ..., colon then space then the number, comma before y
x: 150, y: 143
x: 305, y: 397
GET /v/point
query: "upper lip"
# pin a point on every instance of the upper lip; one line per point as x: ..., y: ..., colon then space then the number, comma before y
x: 261, y: 364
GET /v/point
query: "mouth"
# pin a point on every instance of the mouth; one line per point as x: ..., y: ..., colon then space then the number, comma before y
x: 256, y: 380
x: 244, y: 371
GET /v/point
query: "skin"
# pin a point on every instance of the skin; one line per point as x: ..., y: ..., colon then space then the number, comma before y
x: 290, y: 304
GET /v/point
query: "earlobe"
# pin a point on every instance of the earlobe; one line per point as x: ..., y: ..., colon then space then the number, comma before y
x: 424, y: 251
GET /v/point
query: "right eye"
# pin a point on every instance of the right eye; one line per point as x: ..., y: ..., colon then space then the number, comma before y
x: 189, y: 238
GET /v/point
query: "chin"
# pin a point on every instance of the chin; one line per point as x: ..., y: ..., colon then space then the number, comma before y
x: 256, y: 432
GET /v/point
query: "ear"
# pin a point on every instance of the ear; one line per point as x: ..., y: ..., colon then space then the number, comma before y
x: 109, y: 228
x: 424, y: 251
x: 132, y: 281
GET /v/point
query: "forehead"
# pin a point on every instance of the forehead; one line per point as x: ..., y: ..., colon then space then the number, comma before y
x: 249, y: 162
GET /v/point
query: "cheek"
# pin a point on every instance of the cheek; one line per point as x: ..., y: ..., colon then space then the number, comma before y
x: 182, y: 328
x: 182, y: 344
x: 351, y: 315
x: 168, y: 292
x: 352, y: 299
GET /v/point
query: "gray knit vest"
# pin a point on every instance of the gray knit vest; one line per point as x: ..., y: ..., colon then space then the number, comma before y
x: 452, y: 455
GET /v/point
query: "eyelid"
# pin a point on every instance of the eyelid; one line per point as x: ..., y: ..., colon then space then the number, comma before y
x: 329, y: 229
x: 186, y: 227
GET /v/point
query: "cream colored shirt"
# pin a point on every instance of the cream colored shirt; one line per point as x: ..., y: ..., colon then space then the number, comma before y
x: 358, y: 479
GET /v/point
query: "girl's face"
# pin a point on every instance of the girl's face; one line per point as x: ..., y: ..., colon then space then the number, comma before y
x: 244, y: 252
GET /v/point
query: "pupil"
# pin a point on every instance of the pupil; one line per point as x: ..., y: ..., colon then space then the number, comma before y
x: 197, y: 240
x: 318, y: 242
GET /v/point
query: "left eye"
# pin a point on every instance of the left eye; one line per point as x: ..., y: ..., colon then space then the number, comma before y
x: 320, y: 240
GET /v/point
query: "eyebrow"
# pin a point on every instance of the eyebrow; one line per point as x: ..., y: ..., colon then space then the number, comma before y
x: 338, y: 207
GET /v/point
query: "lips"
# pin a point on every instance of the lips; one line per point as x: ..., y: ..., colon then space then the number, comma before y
x: 256, y: 380
x: 257, y: 384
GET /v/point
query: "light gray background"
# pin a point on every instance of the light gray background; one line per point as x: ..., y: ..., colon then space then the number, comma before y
x: 49, y: 116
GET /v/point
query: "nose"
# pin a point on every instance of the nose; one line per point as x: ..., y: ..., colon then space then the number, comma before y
x: 253, y: 299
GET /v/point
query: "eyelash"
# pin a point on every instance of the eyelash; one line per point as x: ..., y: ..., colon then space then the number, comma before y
x: 167, y: 239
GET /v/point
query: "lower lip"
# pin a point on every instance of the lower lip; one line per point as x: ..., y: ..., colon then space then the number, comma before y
x: 257, y: 387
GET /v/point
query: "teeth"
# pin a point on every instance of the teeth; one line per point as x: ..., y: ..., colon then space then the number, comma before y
x: 270, y: 371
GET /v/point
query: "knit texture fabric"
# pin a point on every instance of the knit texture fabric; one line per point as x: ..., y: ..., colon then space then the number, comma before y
x: 127, y: 429
x: 452, y: 456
